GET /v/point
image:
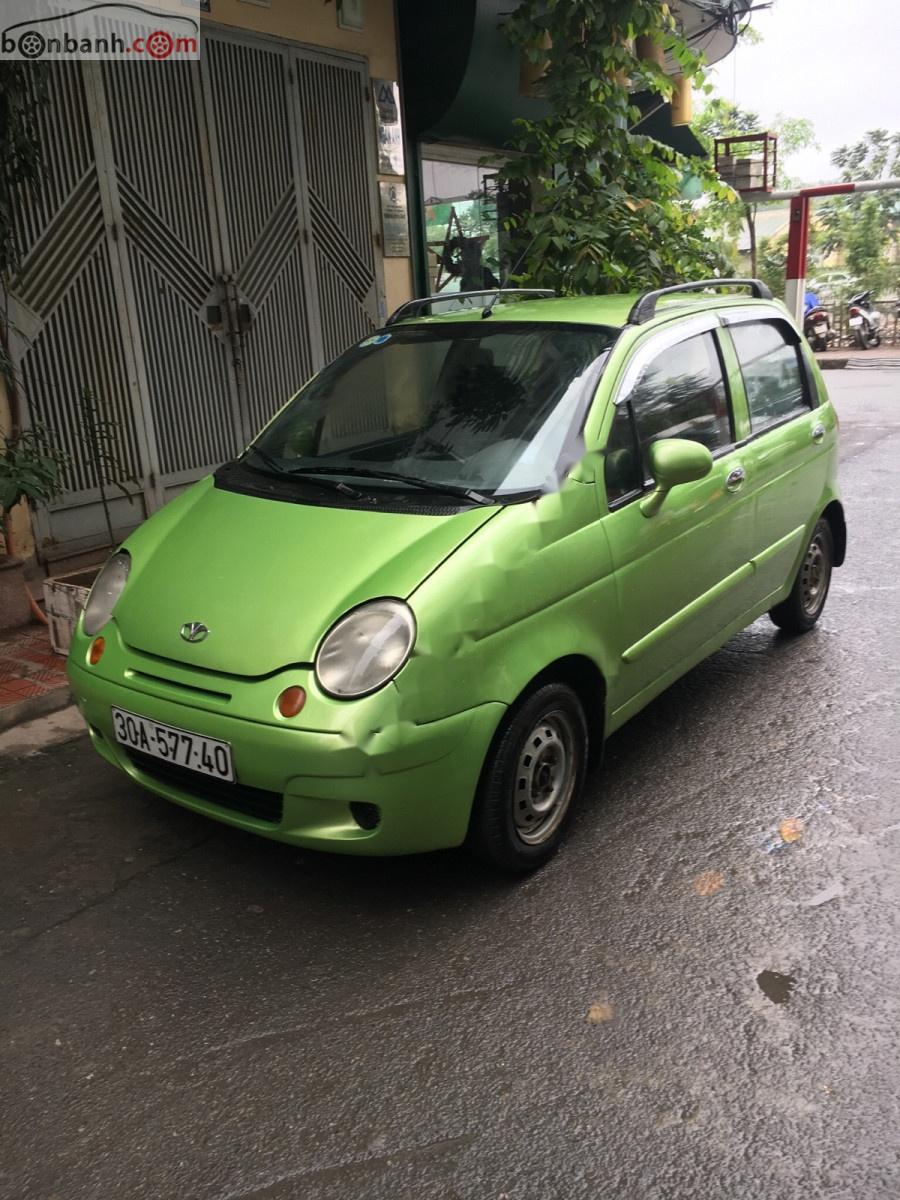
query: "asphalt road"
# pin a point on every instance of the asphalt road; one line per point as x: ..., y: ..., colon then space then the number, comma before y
x: 685, y: 1003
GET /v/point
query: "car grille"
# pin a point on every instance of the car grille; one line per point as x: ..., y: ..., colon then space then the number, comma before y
x: 253, y: 802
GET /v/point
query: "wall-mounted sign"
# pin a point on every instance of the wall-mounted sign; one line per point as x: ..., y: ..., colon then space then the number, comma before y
x: 394, y: 220
x: 388, y: 127
x: 350, y: 15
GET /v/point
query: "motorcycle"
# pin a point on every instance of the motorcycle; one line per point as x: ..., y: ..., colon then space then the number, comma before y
x: 864, y: 320
x: 817, y: 327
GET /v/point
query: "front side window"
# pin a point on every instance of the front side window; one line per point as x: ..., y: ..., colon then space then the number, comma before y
x: 679, y: 394
x: 773, y: 377
x: 485, y: 406
x: 622, y: 463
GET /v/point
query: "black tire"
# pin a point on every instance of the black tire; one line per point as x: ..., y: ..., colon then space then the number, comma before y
x: 516, y: 823
x: 861, y: 338
x: 820, y: 344
x: 875, y: 340
x: 803, y: 607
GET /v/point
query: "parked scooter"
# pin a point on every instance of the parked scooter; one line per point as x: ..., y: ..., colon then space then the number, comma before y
x: 864, y: 320
x: 817, y: 327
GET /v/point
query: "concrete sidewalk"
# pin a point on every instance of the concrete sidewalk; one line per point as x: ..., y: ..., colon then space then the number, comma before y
x: 883, y: 357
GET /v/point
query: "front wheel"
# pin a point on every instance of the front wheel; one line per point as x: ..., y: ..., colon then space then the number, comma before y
x: 531, y: 781
x: 803, y: 607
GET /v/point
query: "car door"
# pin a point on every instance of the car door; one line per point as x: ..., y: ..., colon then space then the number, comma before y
x: 683, y: 574
x: 791, y: 437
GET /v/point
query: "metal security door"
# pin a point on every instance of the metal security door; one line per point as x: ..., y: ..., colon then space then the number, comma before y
x: 205, y: 244
x: 291, y: 137
x: 335, y: 118
x: 270, y: 312
x: 68, y: 322
x: 163, y: 188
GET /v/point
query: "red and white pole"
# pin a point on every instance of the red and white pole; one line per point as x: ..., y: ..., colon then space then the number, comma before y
x: 798, y: 242
x: 798, y: 232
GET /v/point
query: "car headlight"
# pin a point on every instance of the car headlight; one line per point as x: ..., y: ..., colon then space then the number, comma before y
x: 366, y: 648
x: 106, y: 591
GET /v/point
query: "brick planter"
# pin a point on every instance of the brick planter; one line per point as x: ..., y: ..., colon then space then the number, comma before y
x: 15, y: 610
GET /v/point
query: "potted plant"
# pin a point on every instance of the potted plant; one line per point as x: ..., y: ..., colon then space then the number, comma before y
x: 31, y: 471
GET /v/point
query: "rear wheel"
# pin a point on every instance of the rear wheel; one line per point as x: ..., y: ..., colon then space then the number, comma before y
x: 803, y: 607
x: 531, y: 780
x: 862, y: 339
x: 820, y: 343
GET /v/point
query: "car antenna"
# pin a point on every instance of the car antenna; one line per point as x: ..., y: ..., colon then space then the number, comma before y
x: 486, y: 311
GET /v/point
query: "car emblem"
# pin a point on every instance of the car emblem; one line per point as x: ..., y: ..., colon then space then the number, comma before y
x: 194, y: 631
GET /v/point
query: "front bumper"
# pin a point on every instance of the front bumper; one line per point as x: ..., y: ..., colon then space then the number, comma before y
x: 296, y: 780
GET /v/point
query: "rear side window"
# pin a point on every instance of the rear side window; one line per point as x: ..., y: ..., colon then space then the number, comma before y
x: 774, y: 379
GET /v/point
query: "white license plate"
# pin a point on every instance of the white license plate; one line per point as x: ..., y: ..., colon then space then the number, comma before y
x: 821, y: 330
x: 855, y: 322
x: 201, y: 754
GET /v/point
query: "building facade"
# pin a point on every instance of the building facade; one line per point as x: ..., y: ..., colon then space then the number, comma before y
x: 209, y: 235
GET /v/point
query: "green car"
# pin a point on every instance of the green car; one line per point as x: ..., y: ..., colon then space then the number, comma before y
x: 407, y: 616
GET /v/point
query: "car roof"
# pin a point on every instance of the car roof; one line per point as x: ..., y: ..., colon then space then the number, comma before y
x: 609, y: 311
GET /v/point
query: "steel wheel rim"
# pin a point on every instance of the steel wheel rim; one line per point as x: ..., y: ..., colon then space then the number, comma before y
x: 545, y: 778
x: 814, y: 576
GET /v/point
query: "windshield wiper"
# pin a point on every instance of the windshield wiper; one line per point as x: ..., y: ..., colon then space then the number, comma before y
x: 426, y: 485
x: 275, y: 468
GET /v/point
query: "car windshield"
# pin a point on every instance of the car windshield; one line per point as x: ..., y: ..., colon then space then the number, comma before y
x: 471, y: 407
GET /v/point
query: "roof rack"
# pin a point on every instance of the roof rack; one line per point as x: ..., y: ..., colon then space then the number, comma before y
x: 414, y: 308
x: 645, y: 306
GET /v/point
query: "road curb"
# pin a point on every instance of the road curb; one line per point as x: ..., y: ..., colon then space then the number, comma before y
x: 51, y: 729
x: 35, y: 706
x: 887, y: 357
x: 832, y: 364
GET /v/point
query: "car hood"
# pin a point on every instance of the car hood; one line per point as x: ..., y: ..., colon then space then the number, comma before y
x: 269, y: 578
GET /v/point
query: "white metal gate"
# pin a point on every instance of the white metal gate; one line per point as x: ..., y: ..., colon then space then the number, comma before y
x: 204, y: 242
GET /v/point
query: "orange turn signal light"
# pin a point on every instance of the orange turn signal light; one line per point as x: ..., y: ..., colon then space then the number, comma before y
x: 98, y: 645
x: 291, y: 701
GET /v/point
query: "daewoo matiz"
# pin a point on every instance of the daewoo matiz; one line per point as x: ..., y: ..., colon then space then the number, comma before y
x: 467, y: 551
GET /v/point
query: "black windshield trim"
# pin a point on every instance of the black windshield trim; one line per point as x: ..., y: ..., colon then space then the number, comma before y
x: 274, y: 470
x: 387, y: 477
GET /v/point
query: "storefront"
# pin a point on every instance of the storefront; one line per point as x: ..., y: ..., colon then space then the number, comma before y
x: 464, y: 86
x: 459, y: 214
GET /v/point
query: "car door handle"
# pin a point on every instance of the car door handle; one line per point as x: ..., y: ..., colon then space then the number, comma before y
x: 818, y: 432
x: 735, y: 480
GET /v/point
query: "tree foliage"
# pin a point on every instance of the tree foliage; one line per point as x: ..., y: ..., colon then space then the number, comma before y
x: 865, y: 225
x: 605, y: 211
x: 772, y: 263
x: 31, y: 469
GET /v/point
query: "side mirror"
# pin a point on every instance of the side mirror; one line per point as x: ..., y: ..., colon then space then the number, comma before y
x: 674, y: 461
